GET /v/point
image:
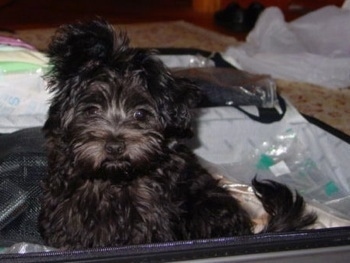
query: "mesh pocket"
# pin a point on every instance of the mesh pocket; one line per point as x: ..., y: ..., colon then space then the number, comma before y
x: 22, y: 166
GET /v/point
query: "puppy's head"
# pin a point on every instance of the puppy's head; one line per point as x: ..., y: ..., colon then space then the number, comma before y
x: 113, y: 106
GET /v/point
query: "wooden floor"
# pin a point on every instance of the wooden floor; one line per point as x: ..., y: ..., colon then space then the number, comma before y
x: 25, y: 14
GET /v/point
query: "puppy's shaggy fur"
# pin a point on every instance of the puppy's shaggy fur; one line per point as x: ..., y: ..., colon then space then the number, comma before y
x: 118, y: 174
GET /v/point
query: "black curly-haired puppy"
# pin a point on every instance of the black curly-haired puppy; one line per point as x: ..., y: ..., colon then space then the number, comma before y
x: 118, y: 174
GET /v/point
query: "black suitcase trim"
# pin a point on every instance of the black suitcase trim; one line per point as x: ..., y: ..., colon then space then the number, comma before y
x: 197, y: 249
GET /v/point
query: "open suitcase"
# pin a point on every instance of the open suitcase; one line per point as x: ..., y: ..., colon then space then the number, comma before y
x: 23, y: 162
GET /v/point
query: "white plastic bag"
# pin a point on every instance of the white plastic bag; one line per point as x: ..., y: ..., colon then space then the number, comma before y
x: 227, y: 138
x: 314, y: 48
x: 23, y: 95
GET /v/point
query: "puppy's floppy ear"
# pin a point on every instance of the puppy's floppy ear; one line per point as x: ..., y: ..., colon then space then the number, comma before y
x: 181, y: 95
x: 77, y: 49
x: 176, y: 101
x: 174, y: 96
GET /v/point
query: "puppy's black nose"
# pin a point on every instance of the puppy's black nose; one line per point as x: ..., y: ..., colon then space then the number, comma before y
x: 115, y: 147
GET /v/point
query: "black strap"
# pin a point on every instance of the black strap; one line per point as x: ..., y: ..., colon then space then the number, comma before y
x: 324, y: 126
x: 267, y: 115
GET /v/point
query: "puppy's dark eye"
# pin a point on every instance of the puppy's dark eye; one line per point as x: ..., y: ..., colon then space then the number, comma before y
x: 140, y: 115
x: 92, y: 111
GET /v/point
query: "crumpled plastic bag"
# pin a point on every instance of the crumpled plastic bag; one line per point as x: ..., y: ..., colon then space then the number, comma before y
x: 24, y: 247
x: 231, y: 87
x: 313, y: 49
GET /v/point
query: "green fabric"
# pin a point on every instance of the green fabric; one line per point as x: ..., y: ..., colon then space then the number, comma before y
x: 13, y: 67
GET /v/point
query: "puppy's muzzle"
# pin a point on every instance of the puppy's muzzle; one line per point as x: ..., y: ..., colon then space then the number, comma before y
x: 115, y: 147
